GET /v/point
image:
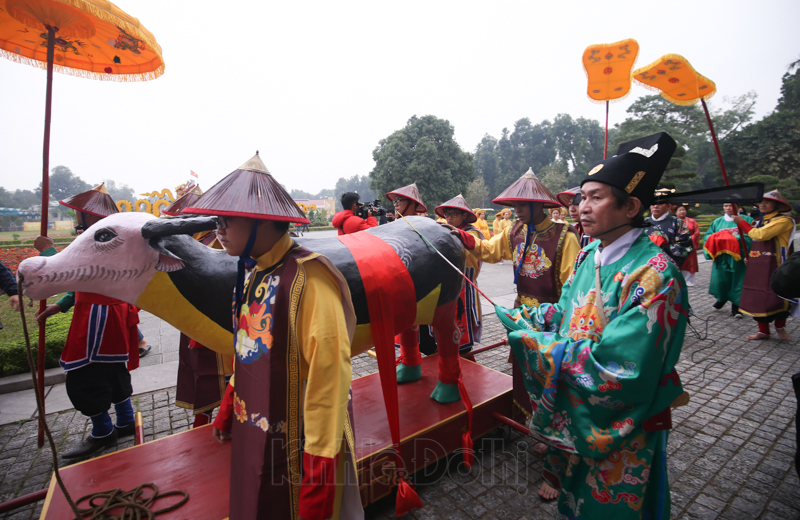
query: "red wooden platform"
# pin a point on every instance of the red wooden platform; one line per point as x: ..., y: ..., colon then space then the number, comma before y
x: 429, y: 430
x: 192, y: 461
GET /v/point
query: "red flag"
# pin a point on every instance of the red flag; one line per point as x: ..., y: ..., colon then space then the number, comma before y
x: 192, y: 173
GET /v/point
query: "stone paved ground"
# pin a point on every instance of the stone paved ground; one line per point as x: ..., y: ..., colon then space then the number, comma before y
x: 731, y: 450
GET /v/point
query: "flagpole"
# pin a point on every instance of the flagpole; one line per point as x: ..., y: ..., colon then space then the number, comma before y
x: 716, y: 144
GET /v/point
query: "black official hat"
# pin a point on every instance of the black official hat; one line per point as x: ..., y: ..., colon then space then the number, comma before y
x: 638, y: 166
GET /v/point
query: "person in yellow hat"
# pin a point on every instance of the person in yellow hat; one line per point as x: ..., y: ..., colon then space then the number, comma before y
x: 502, y: 222
x: 481, y: 223
x: 293, y: 324
x: 102, y: 344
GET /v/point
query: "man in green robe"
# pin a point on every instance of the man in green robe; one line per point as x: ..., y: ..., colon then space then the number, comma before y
x: 601, y: 376
x: 724, y: 245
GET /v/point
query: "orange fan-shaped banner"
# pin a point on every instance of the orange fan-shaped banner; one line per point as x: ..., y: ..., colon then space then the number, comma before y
x: 676, y: 79
x: 608, y: 68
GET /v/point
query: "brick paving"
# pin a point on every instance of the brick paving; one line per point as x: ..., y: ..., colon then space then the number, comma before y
x: 731, y: 452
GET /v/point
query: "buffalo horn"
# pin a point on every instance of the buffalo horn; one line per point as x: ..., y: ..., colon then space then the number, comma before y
x: 162, y: 227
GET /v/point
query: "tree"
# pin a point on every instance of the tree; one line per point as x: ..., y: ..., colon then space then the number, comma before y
x: 694, y: 163
x: 477, y: 194
x: 425, y: 153
x: 579, y: 143
x: 357, y: 184
x: 528, y: 146
x: 121, y: 192
x: 554, y: 177
x: 317, y: 217
x: 487, y: 161
x: 63, y: 184
x: 300, y: 194
x: 771, y: 147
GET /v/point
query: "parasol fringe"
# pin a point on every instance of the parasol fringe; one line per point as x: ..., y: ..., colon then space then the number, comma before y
x: 100, y: 76
x: 679, y: 102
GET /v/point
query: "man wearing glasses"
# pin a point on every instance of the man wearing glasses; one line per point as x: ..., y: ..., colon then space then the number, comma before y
x: 407, y: 201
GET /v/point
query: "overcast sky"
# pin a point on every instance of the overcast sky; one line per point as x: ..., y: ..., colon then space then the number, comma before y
x: 315, y: 85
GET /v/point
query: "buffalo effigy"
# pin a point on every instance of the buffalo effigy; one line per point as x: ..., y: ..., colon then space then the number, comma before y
x: 157, y: 266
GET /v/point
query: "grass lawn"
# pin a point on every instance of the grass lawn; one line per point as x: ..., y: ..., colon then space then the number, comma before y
x: 12, y: 322
x: 30, y: 235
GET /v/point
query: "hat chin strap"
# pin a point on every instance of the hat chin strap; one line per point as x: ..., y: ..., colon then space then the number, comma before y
x: 245, y: 262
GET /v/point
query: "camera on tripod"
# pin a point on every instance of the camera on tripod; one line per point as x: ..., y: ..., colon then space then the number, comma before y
x: 374, y: 207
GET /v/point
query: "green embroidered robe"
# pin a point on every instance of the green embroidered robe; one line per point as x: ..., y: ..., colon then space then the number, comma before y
x: 727, y: 272
x: 592, y: 389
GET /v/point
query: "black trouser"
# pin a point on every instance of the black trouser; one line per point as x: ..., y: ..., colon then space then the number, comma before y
x: 92, y: 389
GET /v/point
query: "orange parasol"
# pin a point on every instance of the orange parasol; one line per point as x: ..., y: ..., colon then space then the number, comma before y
x: 89, y: 38
x: 677, y: 81
x: 608, y: 68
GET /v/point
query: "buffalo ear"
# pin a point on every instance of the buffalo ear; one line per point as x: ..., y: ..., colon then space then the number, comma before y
x: 167, y: 261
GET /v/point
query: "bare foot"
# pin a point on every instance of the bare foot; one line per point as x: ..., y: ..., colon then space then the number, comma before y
x: 540, y: 448
x: 758, y: 335
x: 547, y: 492
x: 782, y: 333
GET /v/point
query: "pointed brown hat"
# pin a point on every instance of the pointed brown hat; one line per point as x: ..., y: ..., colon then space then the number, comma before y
x: 457, y: 202
x: 184, y: 201
x: 527, y: 188
x: 783, y: 204
x: 250, y: 192
x: 408, y: 192
x: 566, y: 197
x: 95, y: 202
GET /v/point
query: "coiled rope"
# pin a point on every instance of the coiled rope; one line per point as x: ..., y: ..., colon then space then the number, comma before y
x: 131, y: 502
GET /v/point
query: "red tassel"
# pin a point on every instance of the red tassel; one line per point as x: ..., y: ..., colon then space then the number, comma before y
x: 407, y: 498
x: 466, y: 449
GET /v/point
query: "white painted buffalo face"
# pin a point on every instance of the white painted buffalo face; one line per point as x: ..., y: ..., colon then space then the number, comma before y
x: 110, y: 258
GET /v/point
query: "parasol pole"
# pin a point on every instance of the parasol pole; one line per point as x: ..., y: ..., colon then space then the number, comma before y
x: 51, y: 40
x: 716, y: 144
x: 605, y: 143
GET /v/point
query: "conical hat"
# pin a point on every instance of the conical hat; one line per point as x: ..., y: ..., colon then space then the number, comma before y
x: 783, y: 204
x: 95, y: 202
x: 457, y: 202
x: 185, y: 200
x: 566, y: 197
x: 250, y: 192
x: 408, y: 192
x: 527, y: 189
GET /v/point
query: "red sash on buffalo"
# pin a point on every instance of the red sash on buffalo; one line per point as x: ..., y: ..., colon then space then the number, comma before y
x: 385, y: 283
x: 103, y: 330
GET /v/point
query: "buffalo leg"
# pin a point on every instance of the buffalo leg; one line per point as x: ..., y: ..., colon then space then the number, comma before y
x: 447, y: 338
x: 410, y: 367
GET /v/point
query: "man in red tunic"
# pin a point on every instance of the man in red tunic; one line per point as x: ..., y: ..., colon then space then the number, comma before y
x: 102, y: 344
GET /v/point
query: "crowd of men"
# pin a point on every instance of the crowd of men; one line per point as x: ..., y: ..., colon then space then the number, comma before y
x: 602, y: 307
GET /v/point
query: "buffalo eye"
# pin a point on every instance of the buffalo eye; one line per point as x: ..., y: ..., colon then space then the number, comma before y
x: 104, y: 235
